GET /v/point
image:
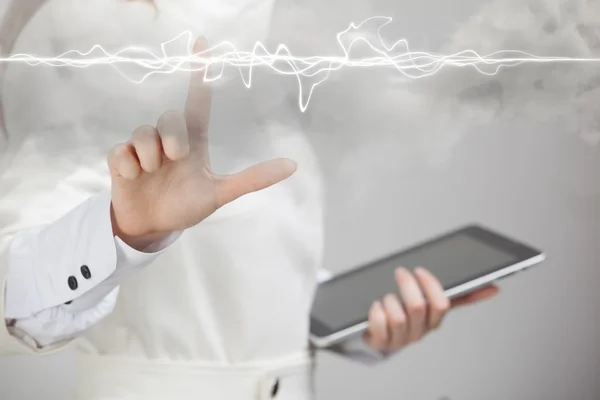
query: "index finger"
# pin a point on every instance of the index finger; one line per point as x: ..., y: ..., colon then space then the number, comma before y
x: 197, y: 108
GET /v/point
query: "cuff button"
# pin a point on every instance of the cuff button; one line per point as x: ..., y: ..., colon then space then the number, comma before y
x: 275, y: 389
x: 85, y: 271
x: 73, y: 285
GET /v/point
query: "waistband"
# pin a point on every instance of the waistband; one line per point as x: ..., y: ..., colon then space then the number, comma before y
x: 120, y: 378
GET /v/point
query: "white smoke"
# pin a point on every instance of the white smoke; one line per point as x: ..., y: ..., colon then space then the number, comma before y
x: 372, y: 118
x: 550, y: 90
x: 367, y: 121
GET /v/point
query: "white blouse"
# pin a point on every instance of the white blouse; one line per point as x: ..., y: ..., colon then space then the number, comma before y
x: 235, y: 290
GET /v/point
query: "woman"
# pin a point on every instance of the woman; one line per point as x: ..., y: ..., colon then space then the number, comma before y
x: 179, y: 283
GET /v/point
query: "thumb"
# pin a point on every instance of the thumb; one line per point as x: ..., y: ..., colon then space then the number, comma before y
x: 253, y: 179
x: 476, y: 296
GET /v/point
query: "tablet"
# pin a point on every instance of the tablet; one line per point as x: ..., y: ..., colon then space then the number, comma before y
x: 463, y: 260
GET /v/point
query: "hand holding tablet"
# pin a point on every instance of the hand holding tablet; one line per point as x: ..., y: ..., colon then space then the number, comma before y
x: 399, y: 320
x: 463, y: 262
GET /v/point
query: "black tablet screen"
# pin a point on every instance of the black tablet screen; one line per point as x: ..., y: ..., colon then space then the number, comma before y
x: 454, y: 259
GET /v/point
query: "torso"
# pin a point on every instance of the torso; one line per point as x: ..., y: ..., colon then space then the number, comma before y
x: 235, y: 289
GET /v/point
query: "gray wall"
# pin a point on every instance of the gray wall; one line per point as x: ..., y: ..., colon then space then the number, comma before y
x: 539, y: 339
x: 527, y: 174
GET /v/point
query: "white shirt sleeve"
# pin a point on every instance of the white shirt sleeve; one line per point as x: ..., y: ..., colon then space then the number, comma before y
x: 356, y: 348
x: 64, y: 278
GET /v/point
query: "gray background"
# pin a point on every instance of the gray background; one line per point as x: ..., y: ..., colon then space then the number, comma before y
x: 534, y: 178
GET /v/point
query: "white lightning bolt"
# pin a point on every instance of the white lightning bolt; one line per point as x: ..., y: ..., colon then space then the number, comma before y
x: 411, y: 64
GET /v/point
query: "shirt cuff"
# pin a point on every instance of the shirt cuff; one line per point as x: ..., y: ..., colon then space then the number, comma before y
x: 67, y: 321
x: 62, y: 261
x: 64, y: 278
x: 130, y: 258
x: 69, y: 259
x: 129, y: 262
x: 62, y: 323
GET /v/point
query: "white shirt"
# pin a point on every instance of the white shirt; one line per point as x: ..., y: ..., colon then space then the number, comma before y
x: 235, y: 289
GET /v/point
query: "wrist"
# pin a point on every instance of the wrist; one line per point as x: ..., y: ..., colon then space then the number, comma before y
x: 138, y: 240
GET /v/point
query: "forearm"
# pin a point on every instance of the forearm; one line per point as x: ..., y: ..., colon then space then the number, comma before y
x: 62, y: 261
x: 63, y: 279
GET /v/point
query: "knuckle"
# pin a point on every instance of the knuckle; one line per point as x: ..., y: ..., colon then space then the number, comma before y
x: 440, y: 307
x: 390, y: 300
x: 168, y: 117
x: 115, y: 154
x: 116, y: 151
x: 445, y: 305
x: 175, y: 148
x: 171, y: 129
x: 170, y: 122
x: 417, y: 308
x: 397, y: 321
x: 436, y: 310
x: 143, y: 133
